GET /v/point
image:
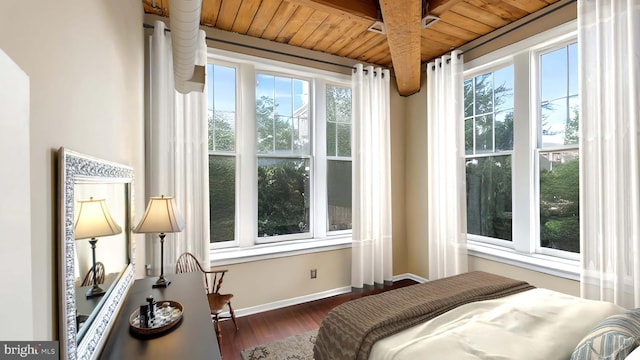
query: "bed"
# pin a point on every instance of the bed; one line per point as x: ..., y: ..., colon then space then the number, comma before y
x: 477, y: 315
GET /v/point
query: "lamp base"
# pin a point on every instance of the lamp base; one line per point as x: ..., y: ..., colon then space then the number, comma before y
x: 95, y: 291
x: 161, y: 282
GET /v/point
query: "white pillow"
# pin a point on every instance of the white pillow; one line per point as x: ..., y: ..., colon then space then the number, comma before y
x: 635, y: 355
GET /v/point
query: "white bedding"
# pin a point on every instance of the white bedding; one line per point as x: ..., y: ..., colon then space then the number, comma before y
x: 535, y: 324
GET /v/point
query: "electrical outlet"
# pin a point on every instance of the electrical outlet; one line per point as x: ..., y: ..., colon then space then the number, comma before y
x: 314, y: 273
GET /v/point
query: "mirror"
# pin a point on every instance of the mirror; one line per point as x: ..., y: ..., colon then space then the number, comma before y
x: 111, y: 254
x: 88, y: 309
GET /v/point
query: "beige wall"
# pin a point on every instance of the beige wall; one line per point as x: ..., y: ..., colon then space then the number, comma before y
x: 15, y: 219
x: 415, y: 144
x: 534, y: 278
x: 416, y: 171
x: 398, y: 177
x: 263, y: 282
x: 84, y: 60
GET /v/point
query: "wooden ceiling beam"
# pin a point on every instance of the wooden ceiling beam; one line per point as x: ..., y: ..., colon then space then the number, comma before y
x: 362, y: 11
x: 402, y: 23
x: 439, y: 7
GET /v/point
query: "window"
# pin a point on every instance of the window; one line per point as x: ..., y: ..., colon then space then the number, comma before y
x: 279, y: 152
x: 339, y: 157
x: 221, y: 114
x: 558, y: 178
x: 521, y: 146
x: 488, y: 111
x: 284, y: 155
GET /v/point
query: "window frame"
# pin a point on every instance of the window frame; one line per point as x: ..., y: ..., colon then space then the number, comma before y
x: 260, y: 240
x: 327, y: 158
x: 538, y: 148
x: 234, y: 154
x: 524, y: 250
x: 247, y: 246
x: 471, y: 74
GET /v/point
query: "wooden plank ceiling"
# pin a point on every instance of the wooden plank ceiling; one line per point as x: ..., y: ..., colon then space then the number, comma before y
x: 340, y: 27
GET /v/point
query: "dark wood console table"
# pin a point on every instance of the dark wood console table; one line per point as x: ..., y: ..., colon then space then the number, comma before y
x: 193, y: 338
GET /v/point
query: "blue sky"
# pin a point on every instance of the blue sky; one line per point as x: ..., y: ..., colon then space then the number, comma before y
x: 559, y: 89
x: 289, y: 94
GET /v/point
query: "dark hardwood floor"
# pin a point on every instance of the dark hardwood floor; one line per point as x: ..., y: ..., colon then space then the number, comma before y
x: 277, y: 324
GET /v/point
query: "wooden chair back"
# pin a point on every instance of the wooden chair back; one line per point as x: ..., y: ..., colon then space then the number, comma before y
x: 88, y: 279
x: 187, y: 262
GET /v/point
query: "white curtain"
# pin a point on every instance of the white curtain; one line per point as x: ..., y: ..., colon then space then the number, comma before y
x: 371, y: 252
x: 177, y: 162
x: 446, y: 189
x: 609, y: 62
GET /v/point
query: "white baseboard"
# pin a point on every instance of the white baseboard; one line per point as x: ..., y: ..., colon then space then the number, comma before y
x: 410, y: 276
x: 290, y: 302
x: 311, y: 297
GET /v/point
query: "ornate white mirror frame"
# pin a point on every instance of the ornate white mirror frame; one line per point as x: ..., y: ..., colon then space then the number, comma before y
x: 75, y: 168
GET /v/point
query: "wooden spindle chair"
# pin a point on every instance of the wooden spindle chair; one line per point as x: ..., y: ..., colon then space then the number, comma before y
x: 187, y: 262
x: 88, y: 279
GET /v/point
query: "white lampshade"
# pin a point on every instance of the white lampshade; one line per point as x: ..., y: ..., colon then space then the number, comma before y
x: 161, y: 216
x: 94, y: 220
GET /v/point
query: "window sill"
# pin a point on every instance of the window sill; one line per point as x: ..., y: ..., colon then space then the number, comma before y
x: 568, y: 269
x: 220, y: 257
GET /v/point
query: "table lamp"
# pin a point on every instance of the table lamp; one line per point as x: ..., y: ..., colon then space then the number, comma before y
x: 94, y: 220
x: 161, y: 216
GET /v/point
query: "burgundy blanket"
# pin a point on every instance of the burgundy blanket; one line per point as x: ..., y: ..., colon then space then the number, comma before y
x: 349, y: 330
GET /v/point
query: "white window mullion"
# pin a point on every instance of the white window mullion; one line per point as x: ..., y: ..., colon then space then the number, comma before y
x: 522, y: 162
x: 247, y: 168
x: 320, y: 155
